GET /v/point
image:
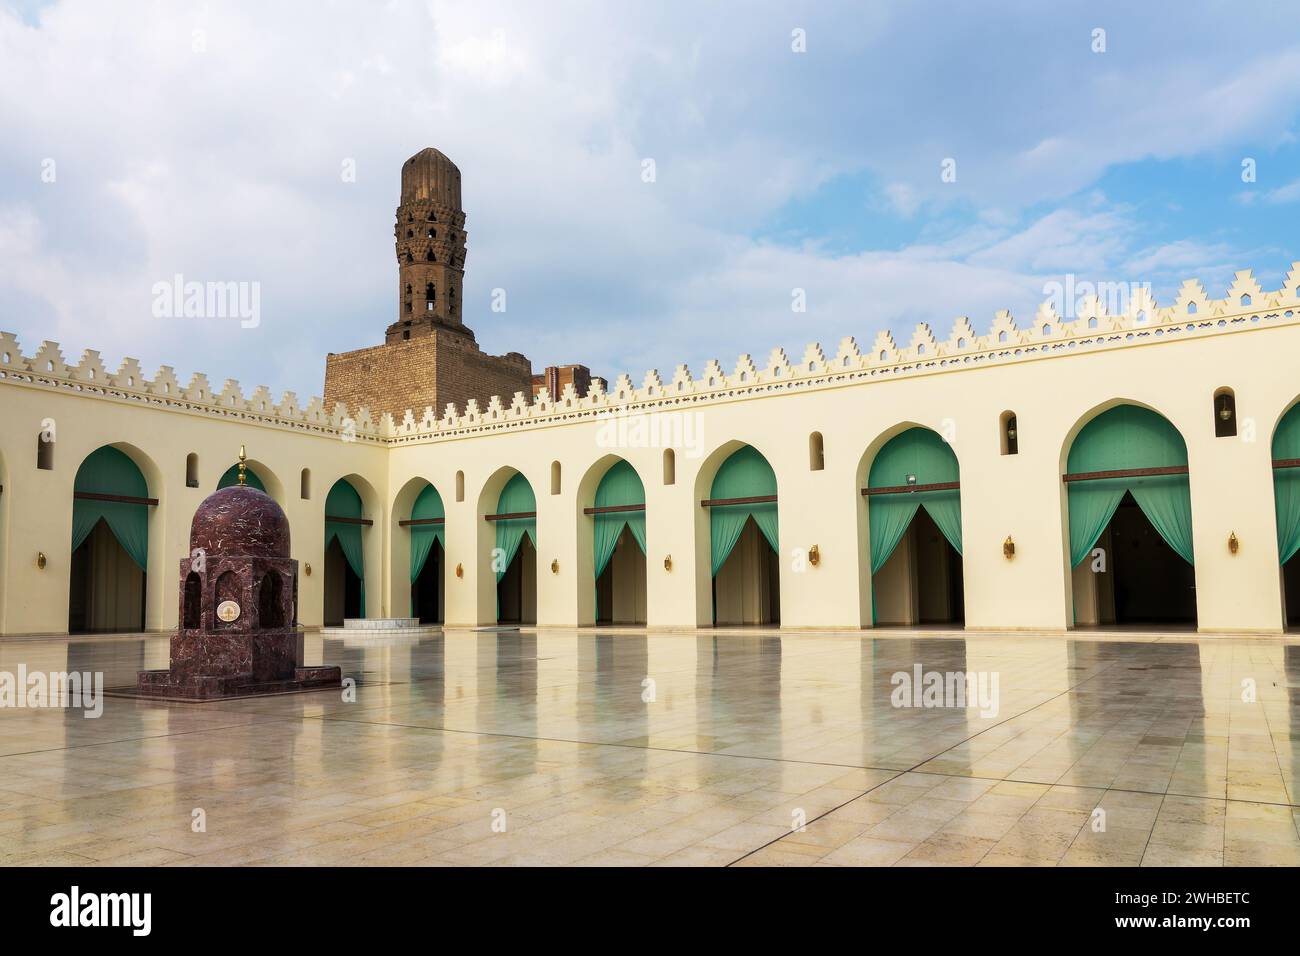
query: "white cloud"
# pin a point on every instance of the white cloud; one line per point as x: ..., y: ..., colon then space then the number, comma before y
x: 225, y: 164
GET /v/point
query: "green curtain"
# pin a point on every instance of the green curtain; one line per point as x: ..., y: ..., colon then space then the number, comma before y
x: 231, y: 477
x: 517, y: 496
x: 1092, y: 505
x: 924, y: 454
x: 427, y: 505
x: 621, y: 485
x: 344, y: 502
x: 107, y: 471
x: 1122, y: 438
x: 1286, y: 484
x: 746, y: 474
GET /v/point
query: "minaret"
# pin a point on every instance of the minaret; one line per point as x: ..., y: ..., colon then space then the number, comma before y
x: 430, y: 234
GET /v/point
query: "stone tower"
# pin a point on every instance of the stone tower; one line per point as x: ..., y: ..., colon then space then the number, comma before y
x: 430, y: 240
x: 430, y: 357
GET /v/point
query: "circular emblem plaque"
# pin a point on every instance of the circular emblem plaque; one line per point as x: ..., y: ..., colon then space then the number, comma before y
x: 227, y: 611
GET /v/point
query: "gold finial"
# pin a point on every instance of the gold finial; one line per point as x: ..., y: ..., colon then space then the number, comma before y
x: 243, y: 457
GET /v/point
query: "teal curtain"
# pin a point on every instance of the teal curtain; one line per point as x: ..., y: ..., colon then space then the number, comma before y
x: 231, y: 477
x: 1092, y: 505
x: 621, y: 485
x: 1127, y: 437
x: 924, y: 455
x: 1286, y: 485
x: 108, y: 471
x: 516, y: 496
x: 746, y: 474
x: 344, y: 502
x: 427, y: 505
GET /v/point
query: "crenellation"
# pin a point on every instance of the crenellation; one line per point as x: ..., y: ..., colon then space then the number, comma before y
x: 260, y: 400
x: 814, y: 359
x: 90, y: 368
x: 714, y: 377
x: 848, y: 355
x: 231, y: 396
x: 129, y: 376
x: 963, y: 335
x: 288, y: 407
x: 884, y: 351
x: 48, y: 360
x: 778, y: 365
x: 1192, y: 293
x: 1245, y: 304
x: 164, y: 382
x: 199, y: 390
x: 315, y: 411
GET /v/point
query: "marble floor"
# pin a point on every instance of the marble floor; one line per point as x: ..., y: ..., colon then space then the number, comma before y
x: 622, y: 748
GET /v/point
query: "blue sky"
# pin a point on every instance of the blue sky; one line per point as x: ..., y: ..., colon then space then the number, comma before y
x: 207, y: 140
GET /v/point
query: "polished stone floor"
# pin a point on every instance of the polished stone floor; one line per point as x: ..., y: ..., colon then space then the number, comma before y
x: 621, y: 748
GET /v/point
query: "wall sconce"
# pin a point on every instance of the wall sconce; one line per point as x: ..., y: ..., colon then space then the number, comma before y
x: 306, y: 569
x: 555, y: 566
x: 911, y: 479
x: 40, y: 560
x: 460, y: 570
x: 1233, y: 544
x: 814, y: 556
x: 668, y: 563
x: 1008, y: 548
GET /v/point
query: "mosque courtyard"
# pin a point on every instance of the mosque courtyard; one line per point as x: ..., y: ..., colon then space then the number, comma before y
x: 622, y: 747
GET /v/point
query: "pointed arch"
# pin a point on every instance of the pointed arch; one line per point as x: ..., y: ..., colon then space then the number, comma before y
x: 1128, y: 512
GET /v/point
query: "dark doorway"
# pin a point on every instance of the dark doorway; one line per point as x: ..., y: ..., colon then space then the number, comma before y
x: 426, y: 591
x: 1291, y: 591
x: 1151, y: 583
x: 342, y: 587
x: 921, y: 582
x: 106, y: 588
x: 517, y: 589
x: 747, y: 588
x: 621, y: 587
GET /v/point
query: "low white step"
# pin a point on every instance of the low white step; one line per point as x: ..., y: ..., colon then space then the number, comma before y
x: 380, y: 623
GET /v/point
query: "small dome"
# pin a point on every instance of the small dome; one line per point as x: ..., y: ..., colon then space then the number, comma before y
x: 239, y: 520
x: 430, y: 175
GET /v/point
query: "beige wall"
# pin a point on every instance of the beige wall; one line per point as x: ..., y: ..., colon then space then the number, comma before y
x: 1052, y: 393
x: 37, y: 505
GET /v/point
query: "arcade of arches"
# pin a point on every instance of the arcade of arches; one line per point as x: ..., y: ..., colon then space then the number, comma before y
x: 1126, y: 488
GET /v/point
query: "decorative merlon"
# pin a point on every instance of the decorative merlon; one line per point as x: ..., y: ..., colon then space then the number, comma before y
x: 1091, y: 326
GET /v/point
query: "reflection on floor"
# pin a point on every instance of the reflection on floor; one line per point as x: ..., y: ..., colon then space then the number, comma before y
x: 747, y: 748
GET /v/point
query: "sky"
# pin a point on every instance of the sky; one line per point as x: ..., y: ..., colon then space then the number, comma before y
x: 650, y: 184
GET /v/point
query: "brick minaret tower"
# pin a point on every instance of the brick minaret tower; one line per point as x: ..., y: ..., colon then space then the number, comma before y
x: 430, y: 357
x: 430, y: 234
